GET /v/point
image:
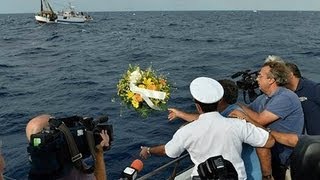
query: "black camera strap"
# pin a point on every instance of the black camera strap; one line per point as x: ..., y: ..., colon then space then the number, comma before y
x: 76, y: 156
x: 91, y: 144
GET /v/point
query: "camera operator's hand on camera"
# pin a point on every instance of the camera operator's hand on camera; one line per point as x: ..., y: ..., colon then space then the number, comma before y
x: 105, y: 140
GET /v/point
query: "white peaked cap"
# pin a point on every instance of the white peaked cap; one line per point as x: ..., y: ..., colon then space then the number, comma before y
x: 206, y: 90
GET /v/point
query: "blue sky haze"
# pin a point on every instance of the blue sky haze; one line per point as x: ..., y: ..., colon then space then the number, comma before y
x: 32, y: 6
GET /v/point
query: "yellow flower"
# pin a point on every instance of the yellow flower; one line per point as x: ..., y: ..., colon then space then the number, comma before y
x: 135, y: 104
x: 129, y: 94
x: 147, y: 82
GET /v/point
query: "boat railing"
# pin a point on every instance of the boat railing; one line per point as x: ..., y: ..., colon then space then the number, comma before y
x: 162, y: 168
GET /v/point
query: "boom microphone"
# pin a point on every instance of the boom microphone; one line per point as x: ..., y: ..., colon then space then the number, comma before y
x: 236, y: 74
x: 130, y: 173
x: 103, y: 119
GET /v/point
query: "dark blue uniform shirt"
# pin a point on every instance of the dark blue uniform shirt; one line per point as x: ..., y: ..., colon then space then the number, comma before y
x: 309, y: 95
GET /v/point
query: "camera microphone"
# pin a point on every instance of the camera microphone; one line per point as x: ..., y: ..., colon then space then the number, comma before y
x: 130, y: 173
x: 102, y: 119
x: 236, y: 74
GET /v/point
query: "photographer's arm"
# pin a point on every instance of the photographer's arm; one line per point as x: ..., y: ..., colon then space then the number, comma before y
x: 100, y: 168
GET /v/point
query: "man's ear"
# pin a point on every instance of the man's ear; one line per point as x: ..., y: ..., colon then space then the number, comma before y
x: 199, y: 108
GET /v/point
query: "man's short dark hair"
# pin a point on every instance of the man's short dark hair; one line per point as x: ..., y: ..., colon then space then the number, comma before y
x: 207, y: 107
x: 230, y: 88
x: 294, y: 69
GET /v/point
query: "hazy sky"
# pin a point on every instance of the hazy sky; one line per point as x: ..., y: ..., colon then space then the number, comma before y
x: 32, y: 6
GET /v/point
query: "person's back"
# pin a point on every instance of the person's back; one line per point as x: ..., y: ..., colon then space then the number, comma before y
x: 228, y: 105
x: 248, y: 154
x: 309, y: 94
x: 225, y: 135
x: 211, y: 134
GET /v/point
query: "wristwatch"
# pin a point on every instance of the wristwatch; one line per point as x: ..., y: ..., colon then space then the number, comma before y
x: 148, y: 151
x: 269, y: 130
x: 267, y: 176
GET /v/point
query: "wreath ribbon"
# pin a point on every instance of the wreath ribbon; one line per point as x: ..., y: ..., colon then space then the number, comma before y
x: 147, y: 93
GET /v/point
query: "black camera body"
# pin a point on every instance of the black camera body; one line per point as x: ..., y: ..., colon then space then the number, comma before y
x: 217, y: 168
x: 248, y: 83
x: 49, y: 149
x: 78, y: 127
x: 248, y: 80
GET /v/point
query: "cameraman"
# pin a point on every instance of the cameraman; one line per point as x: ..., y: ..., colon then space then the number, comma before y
x: 36, y: 125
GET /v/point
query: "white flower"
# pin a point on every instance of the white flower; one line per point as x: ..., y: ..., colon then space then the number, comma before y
x: 135, y: 76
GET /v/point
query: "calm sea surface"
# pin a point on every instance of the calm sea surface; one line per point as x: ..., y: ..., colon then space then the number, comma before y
x: 67, y: 69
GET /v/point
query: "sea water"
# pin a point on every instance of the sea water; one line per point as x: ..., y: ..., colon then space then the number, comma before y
x: 68, y: 69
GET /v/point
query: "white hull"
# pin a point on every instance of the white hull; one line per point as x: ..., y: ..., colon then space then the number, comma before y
x: 42, y: 19
x: 71, y: 19
x: 61, y: 19
x: 67, y: 16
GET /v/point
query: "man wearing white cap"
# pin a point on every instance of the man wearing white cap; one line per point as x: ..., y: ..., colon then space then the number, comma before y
x: 212, y: 134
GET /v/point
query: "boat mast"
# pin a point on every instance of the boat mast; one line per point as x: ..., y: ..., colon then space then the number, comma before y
x: 50, y: 7
x: 41, y: 5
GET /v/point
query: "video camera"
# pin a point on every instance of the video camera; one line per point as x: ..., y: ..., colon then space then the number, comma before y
x: 248, y: 84
x: 66, y: 142
x: 217, y: 168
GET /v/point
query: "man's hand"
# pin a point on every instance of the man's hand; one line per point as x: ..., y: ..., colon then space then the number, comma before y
x: 173, y: 113
x: 144, y: 152
x: 105, y: 140
x: 238, y: 114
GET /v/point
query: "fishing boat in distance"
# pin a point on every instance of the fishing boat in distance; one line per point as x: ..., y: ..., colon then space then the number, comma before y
x: 46, y: 14
x: 68, y: 15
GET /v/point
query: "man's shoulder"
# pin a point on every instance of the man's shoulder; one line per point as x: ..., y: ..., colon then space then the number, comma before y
x: 286, y: 94
x: 308, y: 85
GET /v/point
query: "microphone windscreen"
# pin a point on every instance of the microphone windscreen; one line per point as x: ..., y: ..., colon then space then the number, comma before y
x: 137, y: 165
x: 102, y: 119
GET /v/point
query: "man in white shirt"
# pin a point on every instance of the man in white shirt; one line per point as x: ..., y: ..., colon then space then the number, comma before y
x: 212, y: 134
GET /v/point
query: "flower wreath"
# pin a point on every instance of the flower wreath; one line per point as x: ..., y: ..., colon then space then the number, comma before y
x: 143, y: 90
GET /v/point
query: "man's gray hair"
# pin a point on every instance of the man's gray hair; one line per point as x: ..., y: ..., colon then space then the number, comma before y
x: 279, y: 71
x: 274, y: 58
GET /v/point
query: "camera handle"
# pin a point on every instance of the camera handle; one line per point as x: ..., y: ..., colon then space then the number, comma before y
x: 252, y: 95
x: 244, y: 93
x: 91, y: 144
x: 76, y: 156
